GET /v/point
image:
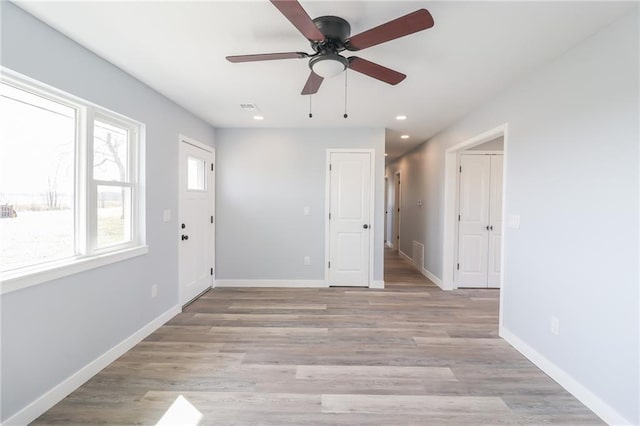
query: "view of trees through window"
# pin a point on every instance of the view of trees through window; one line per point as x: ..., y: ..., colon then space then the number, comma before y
x: 39, y: 207
x: 37, y: 165
x: 110, y: 164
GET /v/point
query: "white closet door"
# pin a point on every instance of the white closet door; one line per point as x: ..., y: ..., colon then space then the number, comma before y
x: 474, y: 220
x: 350, y: 223
x: 495, y: 221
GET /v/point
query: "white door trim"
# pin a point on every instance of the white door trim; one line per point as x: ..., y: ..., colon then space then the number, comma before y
x: 190, y: 141
x: 450, y: 205
x: 327, y: 207
x: 185, y: 139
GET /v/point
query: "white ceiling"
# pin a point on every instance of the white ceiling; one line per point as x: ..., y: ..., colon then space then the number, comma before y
x: 475, y: 50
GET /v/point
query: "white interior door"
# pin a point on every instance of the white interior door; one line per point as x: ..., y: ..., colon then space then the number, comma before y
x: 495, y: 221
x: 350, y: 218
x: 473, y: 220
x: 396, y: 213
x: 196, y: 229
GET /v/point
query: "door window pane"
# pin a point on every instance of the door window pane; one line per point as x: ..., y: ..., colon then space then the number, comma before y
x: 110, y: 152
x: 37, y: 150
x: 114, y: 215
x: 195, y: 174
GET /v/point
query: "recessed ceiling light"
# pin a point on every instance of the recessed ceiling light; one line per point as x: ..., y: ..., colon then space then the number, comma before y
x: 258, y: 117
x: 404, y: 137
x: 401, y: 117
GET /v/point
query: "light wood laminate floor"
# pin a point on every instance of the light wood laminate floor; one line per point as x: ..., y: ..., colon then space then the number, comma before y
x: 409, y: 354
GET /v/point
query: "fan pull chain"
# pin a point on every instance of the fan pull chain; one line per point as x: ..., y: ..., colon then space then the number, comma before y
x: 345, y: 95
x: 310, y: 112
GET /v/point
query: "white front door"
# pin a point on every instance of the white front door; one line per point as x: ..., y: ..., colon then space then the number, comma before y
x: 196, y: 229
x: 350, y: 218
x: 480, y: 221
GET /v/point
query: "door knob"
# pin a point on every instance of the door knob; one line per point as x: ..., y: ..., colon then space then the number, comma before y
x: 185, y: 237
x: 365, y: 226
x: 491, y: 228
x: 183, y: 226
x: 486, y: 227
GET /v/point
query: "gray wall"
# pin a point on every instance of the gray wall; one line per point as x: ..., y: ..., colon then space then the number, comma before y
x: 496, y: 144
x: 572, y: 174
x: 52, y: 330
x: 264, y: 179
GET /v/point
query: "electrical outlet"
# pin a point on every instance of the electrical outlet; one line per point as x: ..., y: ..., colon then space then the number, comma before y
x: 154, y: 291
x: 307, y: 260
x: 555, y: 326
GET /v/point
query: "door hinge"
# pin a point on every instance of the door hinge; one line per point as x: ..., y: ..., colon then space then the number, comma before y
x: 458, y: 218
x: 329, y: 216
x: 211, y: 219
x: 211, y: 166
x: 460, y: 169
x: 458, y: 267
x: 329, y: 264
x: 329, y: 166
x: 211, y: 271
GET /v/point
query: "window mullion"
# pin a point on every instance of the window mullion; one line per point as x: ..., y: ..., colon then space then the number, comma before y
x: 92, y: 188
x: 81, y: 182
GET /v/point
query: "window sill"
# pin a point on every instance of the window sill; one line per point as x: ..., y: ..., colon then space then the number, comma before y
x: 23, y: 279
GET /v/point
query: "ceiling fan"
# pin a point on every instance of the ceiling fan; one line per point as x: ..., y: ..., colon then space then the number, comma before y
x: 331, y: 35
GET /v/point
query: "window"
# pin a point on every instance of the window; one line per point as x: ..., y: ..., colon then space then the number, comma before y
x: 196, y: 174
x: 69, y: 181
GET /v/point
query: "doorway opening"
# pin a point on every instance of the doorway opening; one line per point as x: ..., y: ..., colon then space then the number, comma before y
x: 451, y: 205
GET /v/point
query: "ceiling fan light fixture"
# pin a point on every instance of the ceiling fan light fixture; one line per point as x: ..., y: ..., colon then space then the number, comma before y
x: 329, y: 65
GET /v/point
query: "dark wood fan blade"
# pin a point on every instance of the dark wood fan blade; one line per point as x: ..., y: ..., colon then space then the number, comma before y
x: 266, y: 57
x: 293, y: 11
x: 376, y: 71
x: 416, y: 21
x: 312, y: 85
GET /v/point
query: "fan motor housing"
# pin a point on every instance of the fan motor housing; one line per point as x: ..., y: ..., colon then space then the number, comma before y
x: 334, y: 28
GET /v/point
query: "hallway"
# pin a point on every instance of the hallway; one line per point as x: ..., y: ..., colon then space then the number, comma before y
x: 409, y: 354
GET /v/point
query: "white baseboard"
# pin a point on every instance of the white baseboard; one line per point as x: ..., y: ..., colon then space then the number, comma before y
x: 377, y: 284
x: 60, y: 391
x: 437, y: 281
x: 406, y: 256
x: 584, y: 395
x: 272, y: 283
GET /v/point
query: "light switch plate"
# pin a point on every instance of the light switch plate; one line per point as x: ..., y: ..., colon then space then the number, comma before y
x: 307, y: 210
x: 514, y: 221
x: 166, y: 215
x: 307, y: 260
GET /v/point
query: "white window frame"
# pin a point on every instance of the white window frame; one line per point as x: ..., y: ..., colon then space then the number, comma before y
x: 86, y: 256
